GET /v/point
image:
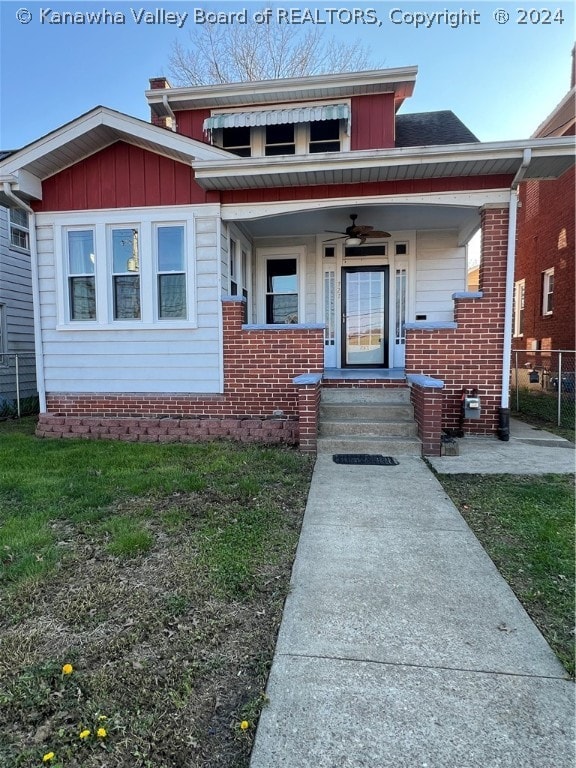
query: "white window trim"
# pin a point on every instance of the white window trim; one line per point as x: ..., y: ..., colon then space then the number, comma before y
x: 141, y: 232
x: 68, y: 275
x: 20, y: 228
x: 101, y: 222
x: 519, y: 292
x: 546, y: 275
x: 266, y: 254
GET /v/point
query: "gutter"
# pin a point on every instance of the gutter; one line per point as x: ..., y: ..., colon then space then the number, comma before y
x: 504, y: 414
x: 35, y: 293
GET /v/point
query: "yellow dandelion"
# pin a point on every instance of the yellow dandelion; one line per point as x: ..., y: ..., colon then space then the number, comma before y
x: 84, y: 734
x: 67, y: 669
x: 48, y: 756
x: 244, y: 725
x: 101, y: 733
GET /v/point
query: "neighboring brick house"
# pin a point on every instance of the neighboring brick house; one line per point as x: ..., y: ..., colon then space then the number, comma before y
x: 214, y: 273
x: 544, y: 280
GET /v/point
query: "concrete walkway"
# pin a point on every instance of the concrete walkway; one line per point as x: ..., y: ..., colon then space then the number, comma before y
x: 401, y: 646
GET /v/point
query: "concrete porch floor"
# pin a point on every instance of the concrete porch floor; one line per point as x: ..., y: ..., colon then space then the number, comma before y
x: 359, y: 374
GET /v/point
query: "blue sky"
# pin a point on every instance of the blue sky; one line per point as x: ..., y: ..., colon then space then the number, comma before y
x: 500, y: 79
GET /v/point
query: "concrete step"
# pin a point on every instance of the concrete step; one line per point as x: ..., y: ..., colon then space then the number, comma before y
x: 387, y: 446
x: 366, y: 411
x: 366, y: 427
x: 357, y: 395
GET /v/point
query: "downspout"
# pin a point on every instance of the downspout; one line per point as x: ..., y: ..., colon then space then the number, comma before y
x: 504, y: 412
x: 35, y: 293
x: 170, y: 111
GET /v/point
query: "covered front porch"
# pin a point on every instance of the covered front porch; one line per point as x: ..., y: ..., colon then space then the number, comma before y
x: 297, y: 266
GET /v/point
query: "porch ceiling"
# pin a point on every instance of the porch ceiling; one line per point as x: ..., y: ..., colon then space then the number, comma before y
x: 387, y: 217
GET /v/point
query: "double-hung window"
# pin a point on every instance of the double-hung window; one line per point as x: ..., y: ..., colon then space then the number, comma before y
x: 126, y: 273
x: 19, y: 229
x: 548, y: 291
x: 81, y: 274
x: 171, y: 272
x: 281, y: 291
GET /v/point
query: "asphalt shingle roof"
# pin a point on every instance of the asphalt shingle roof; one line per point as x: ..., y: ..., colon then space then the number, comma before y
x: 424, y: 129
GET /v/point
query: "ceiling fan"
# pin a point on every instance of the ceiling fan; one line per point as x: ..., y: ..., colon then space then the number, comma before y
x: 357, y: 232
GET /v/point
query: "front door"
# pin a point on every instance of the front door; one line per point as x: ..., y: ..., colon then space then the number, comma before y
x: 365, y: 317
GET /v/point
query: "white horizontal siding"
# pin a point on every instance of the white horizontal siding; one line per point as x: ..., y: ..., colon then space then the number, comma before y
x: 440, y: 272
x: 154, y: 360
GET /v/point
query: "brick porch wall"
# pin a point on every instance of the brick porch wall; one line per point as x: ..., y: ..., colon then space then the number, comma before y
x: 260, y: 365
x: 470, y: 355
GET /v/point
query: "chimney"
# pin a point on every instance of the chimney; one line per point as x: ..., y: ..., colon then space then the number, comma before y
x: 160, y: 84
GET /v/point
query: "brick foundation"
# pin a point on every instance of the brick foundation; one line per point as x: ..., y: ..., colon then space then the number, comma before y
x: 170, y: 430
x: 260, y: 402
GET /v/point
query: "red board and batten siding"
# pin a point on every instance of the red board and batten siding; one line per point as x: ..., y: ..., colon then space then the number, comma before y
x: 121, y: 176
x: 124, y: 176
x: 372, y: 123
x: 373, y: 120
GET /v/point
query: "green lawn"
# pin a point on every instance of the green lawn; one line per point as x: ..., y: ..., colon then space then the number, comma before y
x: 159, y: 573
x: 526, y: 524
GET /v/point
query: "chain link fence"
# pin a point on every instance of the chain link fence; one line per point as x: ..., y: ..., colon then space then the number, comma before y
x: 18, y: 391
x: 543, y: 384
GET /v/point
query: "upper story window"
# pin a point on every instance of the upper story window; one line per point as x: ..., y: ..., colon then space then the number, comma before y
x: 237, y: 140
x: 280, y: 139
x: 19, y: 229
x: 548, y: 291
x: 290, y: 129
x: 324, y: 136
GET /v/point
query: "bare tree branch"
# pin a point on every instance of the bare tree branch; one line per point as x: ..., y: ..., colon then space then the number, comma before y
x: 219, y: 53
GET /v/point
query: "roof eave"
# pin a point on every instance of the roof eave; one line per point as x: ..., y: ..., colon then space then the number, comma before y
x: 68, y: 144
x: 399, y: 81
x: 398, y: 163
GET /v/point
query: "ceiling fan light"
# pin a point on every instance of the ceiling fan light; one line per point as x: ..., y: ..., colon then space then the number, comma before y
x: 353, y: 241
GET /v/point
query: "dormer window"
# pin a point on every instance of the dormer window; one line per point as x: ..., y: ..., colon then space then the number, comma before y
x: 237, y: 140
x: 325, y: 136
x: 290, y: 130
x: 280, y: 139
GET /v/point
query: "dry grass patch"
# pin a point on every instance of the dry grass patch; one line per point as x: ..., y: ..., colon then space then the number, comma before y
x: 166, y: 602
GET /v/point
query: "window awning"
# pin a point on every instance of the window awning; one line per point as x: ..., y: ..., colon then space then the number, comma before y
x: 277, y: 116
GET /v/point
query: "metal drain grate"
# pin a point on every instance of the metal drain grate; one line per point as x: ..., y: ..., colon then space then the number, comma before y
x: 364, y: 458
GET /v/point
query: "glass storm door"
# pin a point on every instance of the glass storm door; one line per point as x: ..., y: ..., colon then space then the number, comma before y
x: 365, y: 317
